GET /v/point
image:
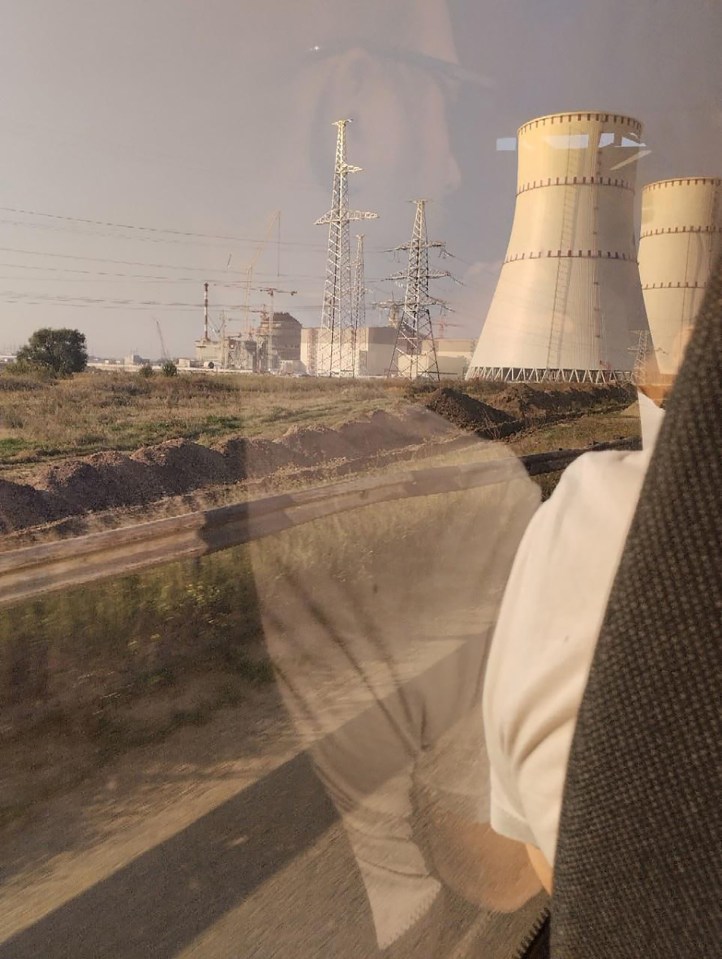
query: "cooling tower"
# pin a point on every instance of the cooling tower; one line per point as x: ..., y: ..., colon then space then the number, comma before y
x: 568, y: 304
x: 680, y: 240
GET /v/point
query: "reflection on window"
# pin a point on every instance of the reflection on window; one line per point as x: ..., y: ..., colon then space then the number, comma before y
x: 571, y: 141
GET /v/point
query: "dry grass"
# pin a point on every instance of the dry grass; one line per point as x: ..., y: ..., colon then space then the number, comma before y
x: 92, y: 412
x: 106, y: 666
x: 577, y: 433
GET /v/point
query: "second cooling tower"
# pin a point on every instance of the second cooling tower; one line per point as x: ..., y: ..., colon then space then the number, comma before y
x: 568, y: 304
x: 680, y: 242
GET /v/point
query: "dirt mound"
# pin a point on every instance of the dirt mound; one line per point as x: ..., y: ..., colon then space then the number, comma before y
x: 420, y: 425
x: 317, y: 443
x: 264, y: 457
x: 22, y: 505
x: 112, y: 480
x: 537, y: 403
x: 467, y: 413
x: 106, y: 480
x: 368, y: 438
x: 179, y: 466
x: 78, y: 486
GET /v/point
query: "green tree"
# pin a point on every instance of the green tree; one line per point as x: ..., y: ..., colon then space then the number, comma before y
x: 146, y: 371
x: 169, y: 368
x: 62, y: 352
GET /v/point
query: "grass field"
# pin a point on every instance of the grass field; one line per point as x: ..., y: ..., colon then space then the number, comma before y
x: 42, y: 420
x: 99, y: 669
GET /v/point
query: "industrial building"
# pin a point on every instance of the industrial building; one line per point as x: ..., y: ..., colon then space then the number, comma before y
x: 680, y: 240
x: 279, y: 342
x: 370, y: 352
x: 309, y: 349
x: 450, y: 361
x: 272, y: 346
x: 375, y: 350
x: 568, y: 304
x: 374, y: 354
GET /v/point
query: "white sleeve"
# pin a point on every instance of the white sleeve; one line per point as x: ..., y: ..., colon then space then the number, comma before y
x: 507, y: 817
x: 545, y: 637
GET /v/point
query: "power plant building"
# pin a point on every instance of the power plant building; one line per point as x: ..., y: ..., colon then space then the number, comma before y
x: 283, y: 346
x: 309, y: 349
x: 568, y: 304
x: 250, y: 352
x: 450, y: 360
x: 371, y: 350
x: 375, y: 350
x: 680, y: 240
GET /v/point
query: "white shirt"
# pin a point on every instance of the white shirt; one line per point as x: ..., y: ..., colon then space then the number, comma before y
x: 547, y: 631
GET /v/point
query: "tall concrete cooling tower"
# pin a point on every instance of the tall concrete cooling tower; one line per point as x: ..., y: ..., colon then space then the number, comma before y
x: 680, y: 241
x: 568, y: 304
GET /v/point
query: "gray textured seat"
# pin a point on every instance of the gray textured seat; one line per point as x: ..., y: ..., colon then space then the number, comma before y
x: 638, y: 871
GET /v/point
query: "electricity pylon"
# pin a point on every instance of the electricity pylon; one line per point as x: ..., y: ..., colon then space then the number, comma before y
x: 358, y: 314
x: 641, y: 357
x: 415, y: 339
x: 336, y: 346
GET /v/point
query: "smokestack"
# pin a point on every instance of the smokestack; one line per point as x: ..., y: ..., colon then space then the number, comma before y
x: 205, y: 312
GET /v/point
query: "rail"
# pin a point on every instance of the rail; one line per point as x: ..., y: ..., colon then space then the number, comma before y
x: 35, y: 570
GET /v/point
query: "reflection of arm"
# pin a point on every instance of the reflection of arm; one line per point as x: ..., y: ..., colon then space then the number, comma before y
x: 478, y: 864
x: 544, y: 641
x: 541, y: 867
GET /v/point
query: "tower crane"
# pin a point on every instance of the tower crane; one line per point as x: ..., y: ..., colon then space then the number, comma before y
x: 441, y: 325
x: 275, y: 221
x: 163, y: 351
x: 271, y: 291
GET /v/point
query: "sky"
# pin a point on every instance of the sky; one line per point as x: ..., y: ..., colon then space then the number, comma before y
x: 148, y: 145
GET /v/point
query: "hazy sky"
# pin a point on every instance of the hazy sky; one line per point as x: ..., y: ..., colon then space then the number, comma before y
x: 199, y: 118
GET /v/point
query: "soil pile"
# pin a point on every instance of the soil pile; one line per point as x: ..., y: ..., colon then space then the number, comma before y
x: 468, y: 413
x: 22, y: 505
x: 113, y: 480
x: 535, y: 404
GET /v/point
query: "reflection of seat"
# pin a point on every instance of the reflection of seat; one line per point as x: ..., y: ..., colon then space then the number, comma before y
x: 377, y: 621
x: 638, y: 868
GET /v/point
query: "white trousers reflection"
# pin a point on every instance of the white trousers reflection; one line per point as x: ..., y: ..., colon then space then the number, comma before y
x: 378, y: 622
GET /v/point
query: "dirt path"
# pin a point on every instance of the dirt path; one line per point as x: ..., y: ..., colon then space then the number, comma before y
x: 218, y: 843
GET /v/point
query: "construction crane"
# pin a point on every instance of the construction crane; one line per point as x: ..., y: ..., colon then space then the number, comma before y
x: 274, y: 222
x: 163, y: 351
x: 441, y: 325
x: 271, y: 291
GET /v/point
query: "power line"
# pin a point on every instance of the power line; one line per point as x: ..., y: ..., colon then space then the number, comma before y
x: 103, y: 259
x: 141, y: 276
x: 151, y: 229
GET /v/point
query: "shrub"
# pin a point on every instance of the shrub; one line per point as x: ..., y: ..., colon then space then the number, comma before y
x: 63, y: 351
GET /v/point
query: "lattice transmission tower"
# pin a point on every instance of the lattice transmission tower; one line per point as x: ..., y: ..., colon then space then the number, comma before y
x: 415, y: 350
x: 641, y: 357
x: 336, y: 339
x: 358, y: 313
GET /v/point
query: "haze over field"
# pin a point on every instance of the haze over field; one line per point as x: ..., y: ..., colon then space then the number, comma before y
x: 199, y: 120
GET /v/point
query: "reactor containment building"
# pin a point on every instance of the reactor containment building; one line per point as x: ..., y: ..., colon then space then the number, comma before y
x: 569, y: 305
x: 680, y: 241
